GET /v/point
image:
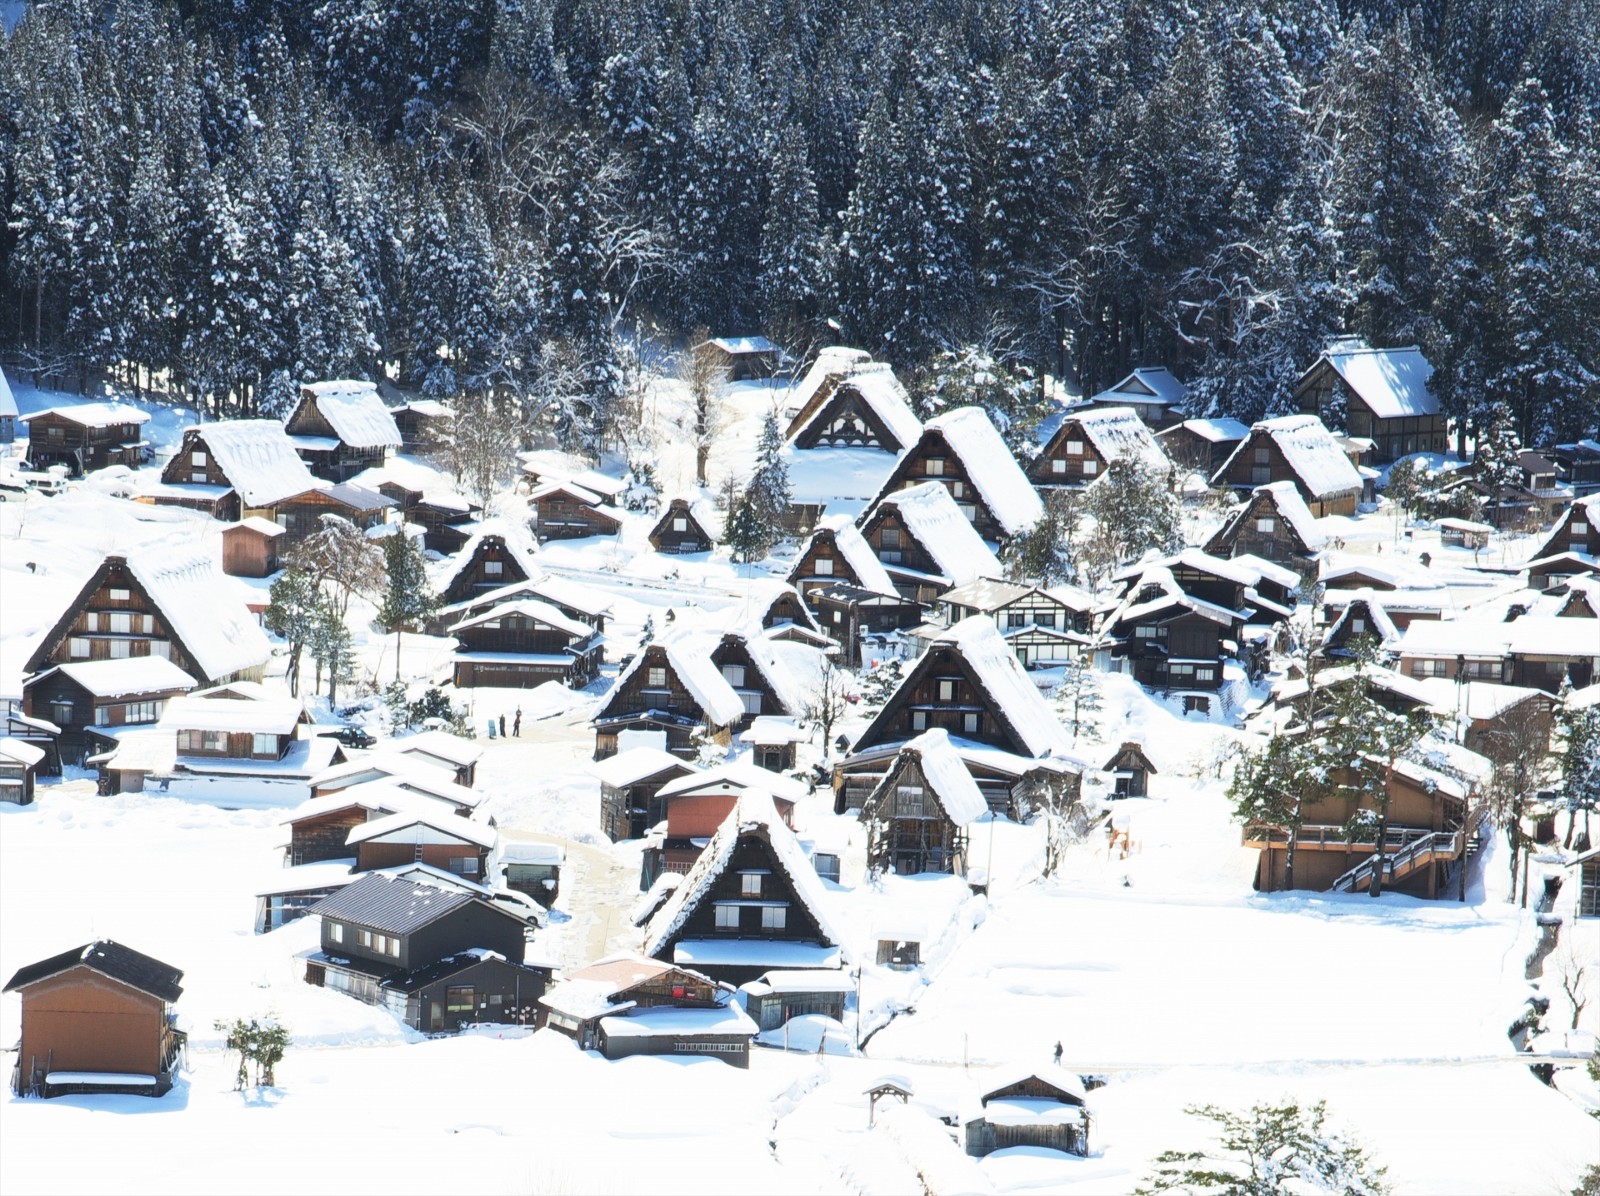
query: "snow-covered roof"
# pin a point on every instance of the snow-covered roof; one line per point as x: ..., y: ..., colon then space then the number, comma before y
x: 529, y: 608
x: 770, y: 729
x: 1286, y: 499
x: 443, y: 745
x: 1147, y: 384
x: 271, y: 716
x: 995, y: 473
x: 1438, y: 763
x: 1000, y: 672
x: 669, y: 1021
x: 441, y: 821
x: 832, y: 361
x: 570, y: 489
x: 736, y: 345
x: 262, y: 527
x: 1118, y: 434
x: 885, y: 397
x: 753, y: 813
x: 734, y: 776
x: 688, y: 652
x: 23, y: 753
x: 436, y: 487
x: 94, y: 415
x: 356, y: 413
x: 1216, y: 431
x: 220, y: 634
x: 129, y: 675
x: 524, y: 852
x: 1310, y: 451
x: 258, y: 459
x: 1170, y: 596
x: 518, y: 541
x: 946, y: 774
x: 1382, y: 625
x: 635, y: 764
x: 1392, y: 382
x: 858, y: 554
x: 936, y: 522
x: 8, y: 401
x: 427, y: 409
x: 381, y: 797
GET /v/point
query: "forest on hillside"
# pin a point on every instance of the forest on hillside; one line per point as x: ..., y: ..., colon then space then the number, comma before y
x: 215, y: 198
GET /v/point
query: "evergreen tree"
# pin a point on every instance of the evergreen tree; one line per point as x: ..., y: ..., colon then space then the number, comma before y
x: 768, y: 491
x: 1078, y: 698
x: 293, y: 602
x: 1580, y: 761
x: 1130, y: 512
x: 746, y: 531
x: 1042, y: 554
x: 794, y: 266
x: 1495, y: 462
x: 408, y: 599
x: 1270, y: 787
x: 329, y: 641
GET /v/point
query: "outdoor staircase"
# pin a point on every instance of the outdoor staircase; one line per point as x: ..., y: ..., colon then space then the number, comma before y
x: 1426, y: 847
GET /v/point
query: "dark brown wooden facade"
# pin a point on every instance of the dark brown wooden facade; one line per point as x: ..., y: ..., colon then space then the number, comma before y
x: 442, y: 523
x: 493, y: 565
x: 846, y: 420
x: 56, y: 438
x: 856, y: 618
x: 249, y: 549
x: 628, y: 811
x: 909, y: 830
x: 55, y: 696
x: 650, y: 696
x: 1189, y: 450
x: 1259, y: 529
x: 679, y: 531
x: 912, y: 568
x: 464, y: 990
x: 1321, y: 392
x: 1259, y: 461
x: 1174, y: 647
x: 1066, y: 1134
x: 338, y: 463
x: 561, y: 514
x: 822, y: 563
x: 739, y: 669
x: 517, y: 650
x: 942, y: 691
x: 934, y: 460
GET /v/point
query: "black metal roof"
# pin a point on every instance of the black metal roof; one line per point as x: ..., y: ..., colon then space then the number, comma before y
x: 392, y: 904
x: 432, y: 973
x: 119, y: 963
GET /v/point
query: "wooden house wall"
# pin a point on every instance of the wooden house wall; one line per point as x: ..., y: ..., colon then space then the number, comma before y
x: 894, y: 545
x: 56, y: 440
x: 919, y: 695
x: 465, y: 927
x: 755, y: 690
x: 324, y: 836
x: 628, y: 811
x: 499, y: 993
x: 1187, y: 638
x: 1394, y: 437
x: 518, y: 633
x: 1190, y: 451
x: 638, y: 696
x: 665, y: 536
x: 83, y: 1021
x: 87, y: 622
x: 558, y: 517
x: 248, y: 553
x: 751, y: 853
x: 40, y: 696
x: 447, y: 857
x: 786, y: 608
x: 18, y: 782
x: 1242, y: 536
x: 807, y: 575
x: 847, y: 421
x: 1069, y: 459
x: 476, y: 578
x: 301, y: 516
x: 907, y: 836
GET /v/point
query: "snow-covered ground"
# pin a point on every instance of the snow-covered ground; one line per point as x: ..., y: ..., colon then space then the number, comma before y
x: 1162, y: 972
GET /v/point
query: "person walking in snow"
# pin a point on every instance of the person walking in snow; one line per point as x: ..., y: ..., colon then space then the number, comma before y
x: 516, y: 725
x: 502, y: 726
x: 1058, y: 1054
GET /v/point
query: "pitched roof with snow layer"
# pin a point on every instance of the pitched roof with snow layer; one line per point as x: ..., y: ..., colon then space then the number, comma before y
x: 1293, y: 510
x: 1171, y: 596
x: 518, y: 541
x: 128, y: 675
x: 1382, y: 625
x: 754, y: 813
x: 219, y: 635
x: 1000, y: 672
x: 1311, y: 451
x: 268, y: 716
x: 882, y: 392
x: 737, y: 774
x: 995, y: 473
x: 1118, y: 434
x: 688, y: 654
x: 636, y: 764
x: 1147, y: 384
x: 946, y: 774
x: 454, y: 748
x: 93, y: 415
x: 832, y: 362
x: 736, y: 345
x: 356, y: 413
x: 1392, y: 382
x: 932, y: 517
x: 440, y: 820
x: 1216, y: 431
x: 529, y: 608
x: 258, y: 459
x: 869, y: 570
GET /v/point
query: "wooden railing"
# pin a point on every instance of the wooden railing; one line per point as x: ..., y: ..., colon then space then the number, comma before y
x: 1426, y: 850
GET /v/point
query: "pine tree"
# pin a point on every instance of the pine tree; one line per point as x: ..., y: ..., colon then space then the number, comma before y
x: 291, y: 613
x: 333, y: 648
x: 794, y: 268
x: 1130, y: 512
x: 1580, y: 761
x: 746, y: 531
x: 1270, y: 787
x: 768, y: 490
x: 408, y: 599
x: 1495, y: 462
x: 1078, y: 699
x: 1042, y: 554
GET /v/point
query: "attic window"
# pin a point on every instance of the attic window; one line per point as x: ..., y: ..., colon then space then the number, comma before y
x: 1090, y: 467
x: 680, y: 524
x: 656, y: 678
x: 774, y: 917
x: 969, y: 722
x: 1075, y: 447
x: 1358, y: 625
x: 1266, y: 525
x: 934, y: 467
x: 727, y: 917
x: 1580, y: 528
x: 891, y: 537
x: 957, y: 490
x: 750, y: 884
x: 493, y: 568
x: 1263, y: 455
x: 122, y: 595
x: 947, y: 691
x: 919, y: 720
x: 1057, y: 465
x: 824, y: 566
x: 197, y: 459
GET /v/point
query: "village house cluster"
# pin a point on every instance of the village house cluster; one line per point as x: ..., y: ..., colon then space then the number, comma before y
x: 709, y: 733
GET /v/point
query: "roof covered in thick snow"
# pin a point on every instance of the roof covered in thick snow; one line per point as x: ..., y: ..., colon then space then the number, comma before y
x: 882, y: 393
x: 258, y: 459
x: 518, y: 541
x: 1000, y: 672
x: 688, y: 654
x: 356, y: 413
x: 220, y: 635
x: 856, y: 551
x: 129, y: 675
x: 753, y: 814
x: 932, y: 517
x: 1147, y: 384
x: 946, y: 774
x: 93, y: 415
x: 1392, y: 382
x: 1216, y: 431
x: 995, y: 474
x: 1309, y: 450
x: 529, y: 608
x: 266, y: 716
x: 1118, y: 434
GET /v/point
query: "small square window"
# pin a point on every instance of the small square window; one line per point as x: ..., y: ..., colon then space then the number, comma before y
x: 969, y: 722
x: 119, y: 595
x: 680, y: 524
x: 947, y: 691
x: 336, y: 932
x: 656, y: 678
x: 1057, y: 465
x: 1266, y: 526
x: 750, y: 884
x: 824, y: 567
x: 493, y: 568
x: 934, y: 467
x: 727, y: 917
x: 774, y: 917
x: 1075, y: 447
x: 1090, y: 467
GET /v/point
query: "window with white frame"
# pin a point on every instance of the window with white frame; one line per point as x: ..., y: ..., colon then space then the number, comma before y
x: 336, y: 931
x: 934, y: 467
x: 1057, y: 465
x: 947, y: 691
x: 890, y: 537
x: 733, y: 674
x: 1205, y: 672
x: 118, y: 595
x: 197, y: 459
x: 493, y: 568
x: 121, y: 649
x: 774, y: 917
x: 121, y: 622
x: 656, y: 678
x: 78, y: 648
x: 750, y: 884
x: 824, y: 566
x: 919, y: 720
x: 727, y: 915
x: 1075, y: 447
x: 1266, y: 525
x: 969, y: 722
x: 680, y: 524
x: 1090, y: 467
x: 958, y: 489
x: 264, y: 745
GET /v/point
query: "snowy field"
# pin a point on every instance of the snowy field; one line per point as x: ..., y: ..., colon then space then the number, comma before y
x: 1162, y: 973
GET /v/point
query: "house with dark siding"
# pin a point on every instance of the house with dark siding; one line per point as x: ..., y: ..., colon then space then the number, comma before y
x: 86, y: 436
x: 672, y: 686
x: 92, y: 701
x: 497, y: 554
x: 1381, y: 395
x: 917, y: 816
x: 342, y: 428
x: 1274, y: 524
x: 523, y: 643
x: 751, y: 903
x: 1296, y: 449
x: 860, y: 405
x: 925, y: 544
x: 686, y: 526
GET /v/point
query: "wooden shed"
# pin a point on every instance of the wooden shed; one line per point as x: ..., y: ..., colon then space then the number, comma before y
x: 1046, y: 1109
x: 1131, y: 771
x: 97, y: 1018
x: 684, y: 527
x: 250, y: 547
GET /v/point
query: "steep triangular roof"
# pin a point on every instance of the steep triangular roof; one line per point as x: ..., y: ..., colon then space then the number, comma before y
x: 753, y: 815
x: 514, y: 535
x: 995, y: 474
x: 255, y: 455
x: 353, y: 410
x: 932, y: 518
x: 1282, y: 500
x: 981, y: 652
x: 1117, y: 434
x: 1309, y: 450
x: 857, y: 553
x: 1147, y: 384
x: 873, y: 385
x: 943, y: 771
x: 122, y: 964
x: 1393, y: 383
x: 688, y: 654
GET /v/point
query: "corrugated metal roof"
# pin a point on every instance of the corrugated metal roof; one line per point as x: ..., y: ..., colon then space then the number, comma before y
x: 390, y: 904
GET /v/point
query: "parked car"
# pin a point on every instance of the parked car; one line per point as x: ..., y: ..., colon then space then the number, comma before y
x: 350, y: 737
